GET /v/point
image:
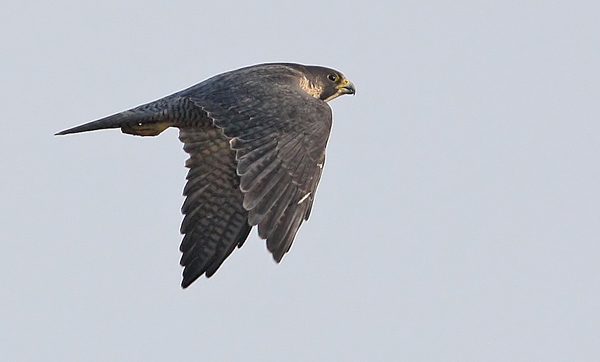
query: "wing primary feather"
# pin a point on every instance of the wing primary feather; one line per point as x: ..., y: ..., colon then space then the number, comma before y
x: 279, y: 242
x: 192, y: 199
x: 290, y: 147
x: 272, y: 217
x: 268, y: 201
x: 198, y: 181
x: 220, y: 258
x: 259, y: 192
x: 258, y: 171
x: 256, y: 157
x: 285, y: 240
x: 250, y: 181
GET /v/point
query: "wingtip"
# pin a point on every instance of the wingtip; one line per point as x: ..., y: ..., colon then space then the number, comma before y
x: 188, y: 279
x: 278, y: 256
x: 186, y: 282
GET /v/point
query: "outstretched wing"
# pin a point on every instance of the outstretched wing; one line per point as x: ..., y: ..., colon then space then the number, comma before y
x: 215, y: 220
x: 279, y: 133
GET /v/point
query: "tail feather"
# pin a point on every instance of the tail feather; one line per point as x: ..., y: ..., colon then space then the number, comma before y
x: 131, y: 122
x: 115, y: 121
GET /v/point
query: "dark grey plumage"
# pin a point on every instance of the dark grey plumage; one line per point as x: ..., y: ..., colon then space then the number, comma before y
x: 256, y: 137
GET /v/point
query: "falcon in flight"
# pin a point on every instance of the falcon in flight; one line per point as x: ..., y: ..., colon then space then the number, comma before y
x: 256, y: 137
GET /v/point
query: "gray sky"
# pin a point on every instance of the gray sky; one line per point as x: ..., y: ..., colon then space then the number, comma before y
x: 457, y: 218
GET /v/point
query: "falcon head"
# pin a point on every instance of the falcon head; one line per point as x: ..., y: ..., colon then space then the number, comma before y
x: 325, y: 83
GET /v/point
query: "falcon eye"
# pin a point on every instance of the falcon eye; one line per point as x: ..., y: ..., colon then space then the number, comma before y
x: 333, y: 77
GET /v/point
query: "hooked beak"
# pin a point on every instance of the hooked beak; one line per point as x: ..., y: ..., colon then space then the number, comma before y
x: 346, y: 87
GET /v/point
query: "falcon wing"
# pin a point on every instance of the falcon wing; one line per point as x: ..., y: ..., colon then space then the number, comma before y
x: 279, y: 133
x: 215, y: 220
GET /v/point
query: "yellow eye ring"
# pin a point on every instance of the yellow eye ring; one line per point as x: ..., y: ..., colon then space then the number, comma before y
x: 333, y: 77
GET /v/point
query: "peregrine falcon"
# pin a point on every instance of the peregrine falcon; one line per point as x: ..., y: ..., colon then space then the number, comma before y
x: 256, y: 139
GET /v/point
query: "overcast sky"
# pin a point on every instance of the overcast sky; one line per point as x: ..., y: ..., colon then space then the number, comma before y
x: 457, y: 218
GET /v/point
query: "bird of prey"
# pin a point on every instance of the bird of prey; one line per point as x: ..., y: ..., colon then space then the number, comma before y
x: 256, y: 138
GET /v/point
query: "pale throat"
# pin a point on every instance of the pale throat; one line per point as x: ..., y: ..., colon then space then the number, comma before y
x: 314, y: 90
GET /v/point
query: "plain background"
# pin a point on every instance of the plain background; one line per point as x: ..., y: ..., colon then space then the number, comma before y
x: 457, y: 218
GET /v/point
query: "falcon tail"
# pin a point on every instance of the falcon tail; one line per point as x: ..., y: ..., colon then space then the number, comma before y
x: 130, y: 122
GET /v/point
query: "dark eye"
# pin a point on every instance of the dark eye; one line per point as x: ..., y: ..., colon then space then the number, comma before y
x: 333, y: 77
